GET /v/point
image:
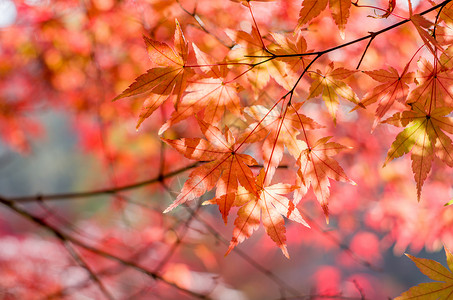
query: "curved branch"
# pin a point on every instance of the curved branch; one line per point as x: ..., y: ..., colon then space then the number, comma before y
x: 111, y: 190
x: 372, y: 35
x: 107, y: 191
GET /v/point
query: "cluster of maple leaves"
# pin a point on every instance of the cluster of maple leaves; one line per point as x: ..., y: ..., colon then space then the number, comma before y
x: 209, y: 90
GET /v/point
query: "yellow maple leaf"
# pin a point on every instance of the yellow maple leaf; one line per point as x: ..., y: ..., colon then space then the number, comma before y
x: 441, y: 289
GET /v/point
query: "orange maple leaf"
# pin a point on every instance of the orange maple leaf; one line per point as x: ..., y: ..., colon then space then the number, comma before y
x: 446, y: 14
x: 441, y: 289
x: 446, y: 58
x: 288, y: 48
x: 252, y: 50
x: 339, y: 10
x: 224, y: 167
x: 434, y: 89
x: 278, y: 129
x: 212, y: 93
x: 394, y: 87
x: 168, y: 78
x: 267, y: 204
x: 316, y: 166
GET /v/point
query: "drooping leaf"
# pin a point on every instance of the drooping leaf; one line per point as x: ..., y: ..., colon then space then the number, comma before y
x: 310, y: 10
x: 441, y: 289
x: 424, y: 138
x: 224, y: 167
x: 422, y: 26
x: 338, y: 8
x: 446, y: 14
x: 340, y: 14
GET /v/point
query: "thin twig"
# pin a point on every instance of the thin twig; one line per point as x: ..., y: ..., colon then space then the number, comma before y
x: 371, y: 35
x: 364, y: 51
x: 78, y: 258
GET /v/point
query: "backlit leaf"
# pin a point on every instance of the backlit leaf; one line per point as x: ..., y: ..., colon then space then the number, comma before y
x: 435, y: 271
x: 329, y: 83
x: 225, y: 167
x: 316, y: 166
x: 424, y: 138
x: 393, y: 87
x: 270, y: 205
x: 167, y: 79
x: 338, y: 8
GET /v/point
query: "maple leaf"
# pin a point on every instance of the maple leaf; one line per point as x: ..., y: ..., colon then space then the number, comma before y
x: 329, y: 84
x: 316, y: 166
x: 394, y: 87
x: 310, y: 10
x: 251, y: 49
x: 446, y: 14
x: 424, y: 138
x: 224, y: 167
x: 339, y: 10
x: 267, y: 204
x: 441, y: 289
x: 277, y: 129
x: 340, y: 13
x: 434, y: 89
x: 213, y: 94
x: 285, y: 47
x: 169, y: 77
x: 422, y: 26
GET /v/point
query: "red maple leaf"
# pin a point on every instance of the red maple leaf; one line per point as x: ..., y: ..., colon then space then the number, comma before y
x: 224, y: 167
x: 167, y: 79
x: 211, y: 93
x: 393, y: 87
